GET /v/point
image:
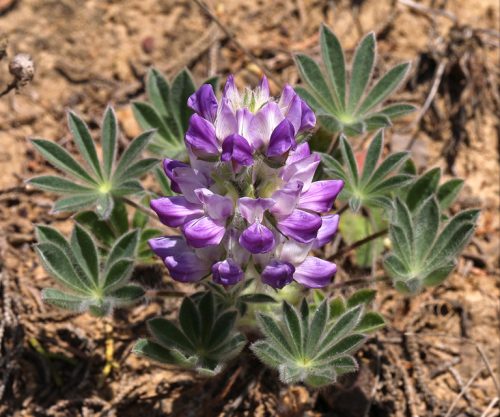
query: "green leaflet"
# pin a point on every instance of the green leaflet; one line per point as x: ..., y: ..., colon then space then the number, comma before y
x: 95, y: 184
x: 345, y: 103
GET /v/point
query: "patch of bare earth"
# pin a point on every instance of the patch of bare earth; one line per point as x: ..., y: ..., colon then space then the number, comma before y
x: 438, y: 356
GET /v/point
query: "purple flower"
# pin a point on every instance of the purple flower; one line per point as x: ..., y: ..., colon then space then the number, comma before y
x: 291, y: 262
x: 236, y: 149
x: 227, y: 272
x: 203, y: 223
x: 204, y: 102
x: 201, y: 137
x: 256, y: 238
x: 321, y: 195
x: 314, y: 272
x: 277, y: 274
x: 247, y: 196
x: 300, y: 225
x: 296, y: 110
x: 182, y: 262
x: 329, y: 226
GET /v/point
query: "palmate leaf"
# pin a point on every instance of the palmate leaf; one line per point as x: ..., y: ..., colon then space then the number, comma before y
x: 88, y: 281
x: 167, y: 111
x: 108, y: 232
x: 92, y: 184
x: 205, y: 338
x: 377, y: 181
x: 350, y: 107
x: 424, y: 249
x: 315, y: 347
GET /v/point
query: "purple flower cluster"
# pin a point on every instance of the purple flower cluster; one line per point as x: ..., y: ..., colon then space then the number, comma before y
x: 248, y: 204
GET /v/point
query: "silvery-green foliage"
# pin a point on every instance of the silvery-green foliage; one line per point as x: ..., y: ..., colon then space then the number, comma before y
x: 94, y: 184
x: 424, y: 247
x: 167, y: 111
x: 427, y: 185
x: 204, y: 339
x: 315, y: 347
x: 89, y: 281
x: 379, y: 179
x: 345, y: 102
x: 107, y: 232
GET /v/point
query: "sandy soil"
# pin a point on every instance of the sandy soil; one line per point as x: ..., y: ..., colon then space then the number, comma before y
x: 440, y: 352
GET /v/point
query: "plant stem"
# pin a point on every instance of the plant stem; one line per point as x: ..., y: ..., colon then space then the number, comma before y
x: 359, y: 281
x: 333, y: 144
x: 358, y: 243
x: 150, y: 213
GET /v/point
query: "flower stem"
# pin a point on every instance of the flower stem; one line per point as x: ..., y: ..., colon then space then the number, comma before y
x: 358, y: 243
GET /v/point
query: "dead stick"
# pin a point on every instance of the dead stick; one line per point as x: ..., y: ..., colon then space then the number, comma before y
x: 261, y: 64
x: 462, y: 392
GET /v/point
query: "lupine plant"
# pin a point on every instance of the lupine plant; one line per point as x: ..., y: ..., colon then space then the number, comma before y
x: 249, y: 211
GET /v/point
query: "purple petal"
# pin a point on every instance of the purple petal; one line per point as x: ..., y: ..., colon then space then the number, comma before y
x: 286, y: 199
x: 308, y: 118
x: 282, y: 139
x: 168, y: 166
x: 253, y: 209
x: 231, y: 92
x: 244, y: 118
x: 225, y: 123
x: 187, y: 266
x: 227, y: 272
x: 236, y: 149
x: 301, y: 226
x: 257, y: 238
x: 204, y: 102
x: 203, y: 232
x: 175, y: 211
x: 263, y: 123
x: 329, y: 226
x: 294, y: 252
x: 201, y: 137
x: 302, y: 170
x: 321, y: 195
x: 187, y: 180
x: 167, y: 245
x: 182, y: 262
x: 216, y: 206
x: 264, y: 88
x: 300, y: 152
x: 277, y: 274
x: 290, y: 104
x: 314, y: 272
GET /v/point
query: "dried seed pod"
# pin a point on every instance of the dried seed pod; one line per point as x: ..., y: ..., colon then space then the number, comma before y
x: 22, y: 69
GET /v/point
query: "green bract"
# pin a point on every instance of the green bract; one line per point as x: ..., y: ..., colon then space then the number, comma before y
x: 204, y: 340
x: 346, y: 103
x: 167, y: 111
x: 425, y: 250
x: 97, y: 183
x: 316, y: 347
x: 378, y: 180
x: 89, y: 282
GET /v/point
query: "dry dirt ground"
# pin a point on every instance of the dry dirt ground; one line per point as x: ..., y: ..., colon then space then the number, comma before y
x: 439, y: 355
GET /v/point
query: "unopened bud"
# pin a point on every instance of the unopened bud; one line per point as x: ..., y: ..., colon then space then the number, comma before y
x: 22, y: 69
